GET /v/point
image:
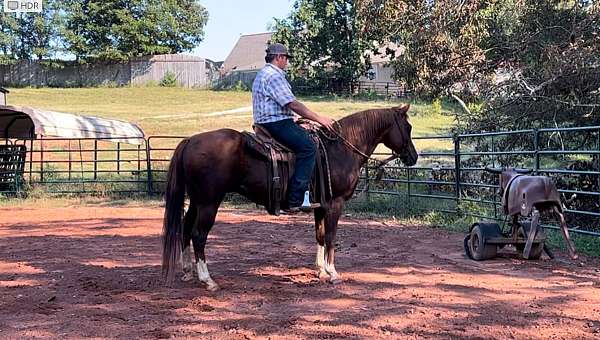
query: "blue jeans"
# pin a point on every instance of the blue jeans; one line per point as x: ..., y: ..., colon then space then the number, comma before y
x: 288, y: 133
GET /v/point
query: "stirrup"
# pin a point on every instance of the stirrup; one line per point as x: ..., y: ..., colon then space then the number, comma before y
x: 307, y: 205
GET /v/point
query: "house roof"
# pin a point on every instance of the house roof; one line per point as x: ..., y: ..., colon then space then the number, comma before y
x: 27, y: 123
x: 248, y: 53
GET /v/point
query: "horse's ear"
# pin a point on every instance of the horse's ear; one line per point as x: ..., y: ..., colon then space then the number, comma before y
x: 402, y: 109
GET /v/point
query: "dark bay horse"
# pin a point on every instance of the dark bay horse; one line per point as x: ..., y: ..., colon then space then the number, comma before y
x: 211, y: 164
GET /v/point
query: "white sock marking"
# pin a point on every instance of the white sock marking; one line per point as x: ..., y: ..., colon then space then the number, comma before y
x: 320, y: 259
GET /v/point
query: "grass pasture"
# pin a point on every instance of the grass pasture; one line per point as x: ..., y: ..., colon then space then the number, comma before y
x: 183, y: 112
x: 173, y: 112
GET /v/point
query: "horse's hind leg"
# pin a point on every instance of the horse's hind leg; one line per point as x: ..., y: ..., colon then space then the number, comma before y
x: 205, y: 221
x: 189, y: 221
x: 331, y: 222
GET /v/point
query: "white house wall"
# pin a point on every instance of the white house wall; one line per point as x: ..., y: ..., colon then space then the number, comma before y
x: 383, y: 74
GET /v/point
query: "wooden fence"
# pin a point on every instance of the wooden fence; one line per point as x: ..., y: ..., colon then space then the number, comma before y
x: 190, y: 71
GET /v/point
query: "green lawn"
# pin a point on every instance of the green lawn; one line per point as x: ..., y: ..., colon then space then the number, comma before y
x: 181, y: 111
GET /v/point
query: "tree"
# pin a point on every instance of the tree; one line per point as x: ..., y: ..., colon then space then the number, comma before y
x: 8, y: 36
x: 549, y: 70
x: 116, y: 30
x: 27, y: 36
x: 517, y: 64
x: 326, y: 40
x: 441, y: 40
x: 38, y: 32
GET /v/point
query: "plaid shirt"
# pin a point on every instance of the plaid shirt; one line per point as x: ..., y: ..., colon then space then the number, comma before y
x: 270, y: 93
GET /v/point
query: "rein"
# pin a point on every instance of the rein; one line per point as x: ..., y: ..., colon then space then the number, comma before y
x: 380, y: 163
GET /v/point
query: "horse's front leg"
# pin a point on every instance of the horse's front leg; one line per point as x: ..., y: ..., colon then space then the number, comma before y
x: 320, y: 235
x: 331, y: 222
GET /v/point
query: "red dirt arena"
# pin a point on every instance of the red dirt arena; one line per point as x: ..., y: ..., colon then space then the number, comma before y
x: 94, y: 272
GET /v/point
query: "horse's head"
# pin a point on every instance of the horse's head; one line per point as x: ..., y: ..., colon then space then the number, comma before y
x: 398, y: 138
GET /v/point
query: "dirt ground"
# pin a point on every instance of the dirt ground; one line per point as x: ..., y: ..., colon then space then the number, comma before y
x: 94, y: 272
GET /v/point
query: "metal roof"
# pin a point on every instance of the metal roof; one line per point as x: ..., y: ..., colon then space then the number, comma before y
x: 27, y: 123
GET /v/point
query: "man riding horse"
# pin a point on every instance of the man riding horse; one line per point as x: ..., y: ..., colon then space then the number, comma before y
x: 211, y: 164
x: 272, y: 104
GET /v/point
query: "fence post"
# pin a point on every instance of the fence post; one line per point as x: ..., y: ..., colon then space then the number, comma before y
x: 494, y: 159
x: 139, y: 168
x: 118, y: 158
x: 536, y: 151
x: 598, y: 161
x: 148, y: 167
x: 42, y: 159
x: 95, y: 159
x: 367, y: 187
x: 456, y: 140
x: 408, y: 188
x: 130, y: 73
x: 70, y: 160
x: 30, y: 159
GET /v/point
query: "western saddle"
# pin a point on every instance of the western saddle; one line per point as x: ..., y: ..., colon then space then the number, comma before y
x: 280, y: 167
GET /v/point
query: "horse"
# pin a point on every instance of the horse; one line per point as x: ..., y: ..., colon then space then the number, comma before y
x: 211, y: 164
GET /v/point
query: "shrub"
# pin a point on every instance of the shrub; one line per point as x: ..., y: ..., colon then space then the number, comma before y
x: 240, y: 86
x: 436, y: 106
x: 169, y: 80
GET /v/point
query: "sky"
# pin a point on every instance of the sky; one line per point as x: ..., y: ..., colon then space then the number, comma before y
x: 228, y: 19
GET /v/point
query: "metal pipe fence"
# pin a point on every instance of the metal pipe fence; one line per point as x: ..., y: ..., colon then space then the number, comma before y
x: 77, y: 166
x: 454, y: 180
x: 448, y: 178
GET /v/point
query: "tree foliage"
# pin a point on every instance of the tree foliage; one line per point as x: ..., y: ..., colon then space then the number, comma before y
x: 8, y: 36
x: 531, y: 63
x: 39, y: 32
x: 515, y: 63
x: 111, y: 30
x: 549, y: 69
x: 442, y: 40
x: 121, y: 29
x: 29, y: 35
x: 326, y: 39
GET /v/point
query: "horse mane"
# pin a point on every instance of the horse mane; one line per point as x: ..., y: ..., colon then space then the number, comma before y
x: 364, y: 125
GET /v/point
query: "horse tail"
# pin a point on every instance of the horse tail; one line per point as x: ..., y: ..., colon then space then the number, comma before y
x: 172, y: 237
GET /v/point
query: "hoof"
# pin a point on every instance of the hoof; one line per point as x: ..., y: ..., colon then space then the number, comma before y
x: 213, y: 287
x: 187, y: 277
x: 323, y: 276
x: 336, y: 280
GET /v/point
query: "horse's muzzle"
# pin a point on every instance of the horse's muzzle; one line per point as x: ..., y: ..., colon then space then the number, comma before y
x: 410, y: 157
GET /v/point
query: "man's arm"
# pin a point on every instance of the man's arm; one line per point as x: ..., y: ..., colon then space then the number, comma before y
x: 305, y: 112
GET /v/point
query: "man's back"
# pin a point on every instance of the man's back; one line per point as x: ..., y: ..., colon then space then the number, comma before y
x: 271, y: 92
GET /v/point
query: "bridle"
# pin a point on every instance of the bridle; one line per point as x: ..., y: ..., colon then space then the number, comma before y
x: 380, y: 163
